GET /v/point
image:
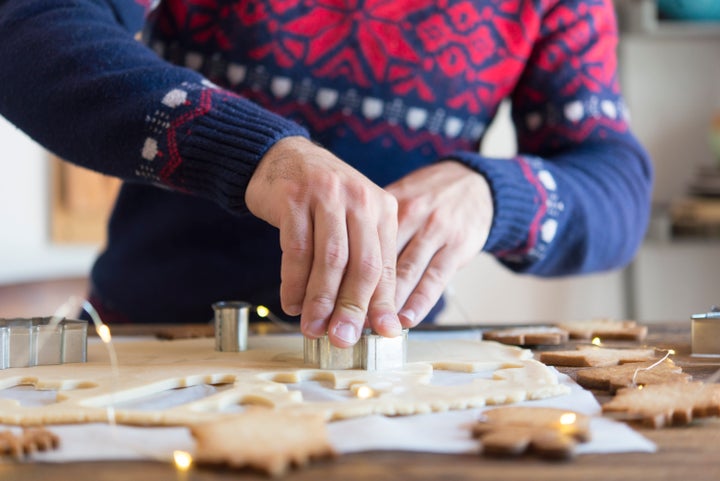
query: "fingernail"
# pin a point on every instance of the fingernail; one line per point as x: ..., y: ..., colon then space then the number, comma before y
x: 391, y: 325
x: 317, y: 327
x: 293, y: 310
x: 346, y: 332
x: 409, y: 317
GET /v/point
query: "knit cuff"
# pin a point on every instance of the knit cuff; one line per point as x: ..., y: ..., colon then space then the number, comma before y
x: 515, y: 201
x: 218, y: 147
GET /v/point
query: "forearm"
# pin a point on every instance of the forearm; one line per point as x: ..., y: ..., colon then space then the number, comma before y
x: 76, y: 80
x: 581, y: 210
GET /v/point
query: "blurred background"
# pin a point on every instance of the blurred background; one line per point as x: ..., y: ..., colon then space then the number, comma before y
x: 52, y: 215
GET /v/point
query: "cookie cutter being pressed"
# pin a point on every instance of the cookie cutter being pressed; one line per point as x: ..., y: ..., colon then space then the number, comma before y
x: 36, y: 341
x: 372, y: 352
x: 706, y: 333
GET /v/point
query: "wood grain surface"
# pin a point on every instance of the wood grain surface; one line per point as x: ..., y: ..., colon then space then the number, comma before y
x: 684, y: 453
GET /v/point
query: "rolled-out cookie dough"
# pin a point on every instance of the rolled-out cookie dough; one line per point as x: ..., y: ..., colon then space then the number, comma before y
x: 259, y: 376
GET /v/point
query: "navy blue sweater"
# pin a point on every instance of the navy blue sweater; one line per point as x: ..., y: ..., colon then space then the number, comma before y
x: 184, y: 114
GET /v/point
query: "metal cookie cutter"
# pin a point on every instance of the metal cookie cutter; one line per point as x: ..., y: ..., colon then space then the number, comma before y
x: 372, y: 352
x: 27, y: 342
x: 231, y: 325
x: 706, y: 333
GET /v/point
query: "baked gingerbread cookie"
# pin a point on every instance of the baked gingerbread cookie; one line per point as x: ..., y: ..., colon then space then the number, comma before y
x: 593, y: 356
x: 548, y: 432
x: 262, y: 439
x: 528, y: 336
x: 605, y: 329
x: 612, y: 378
x: 659, y: 405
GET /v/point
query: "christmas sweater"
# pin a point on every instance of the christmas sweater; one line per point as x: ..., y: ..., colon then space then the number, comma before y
x: 182, y: 98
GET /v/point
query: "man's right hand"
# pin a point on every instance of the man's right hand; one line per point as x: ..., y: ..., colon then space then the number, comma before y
x: 338, y: 234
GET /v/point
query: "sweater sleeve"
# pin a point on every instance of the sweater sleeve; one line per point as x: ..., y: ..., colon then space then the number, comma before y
x: 576, y: 198
x: 76, y: 80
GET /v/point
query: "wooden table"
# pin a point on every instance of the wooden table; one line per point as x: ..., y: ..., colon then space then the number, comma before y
x: 684, y: 453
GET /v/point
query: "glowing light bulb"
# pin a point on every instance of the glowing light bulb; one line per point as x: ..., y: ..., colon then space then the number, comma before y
x: 262, y: 311
x: 104, y: 332
x: 364, y: 392
x: 568, y: 418
x: 596, y: 341
x: 183, y: 460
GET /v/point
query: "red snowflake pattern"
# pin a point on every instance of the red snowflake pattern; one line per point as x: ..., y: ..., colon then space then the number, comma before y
x: 381, y: 42
x: 464, y: 55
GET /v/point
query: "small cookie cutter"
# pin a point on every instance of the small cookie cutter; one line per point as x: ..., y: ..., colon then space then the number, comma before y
x: 28, y: 342
x: 706, y: 333
x: 372, y: 352
x: 231, y: 325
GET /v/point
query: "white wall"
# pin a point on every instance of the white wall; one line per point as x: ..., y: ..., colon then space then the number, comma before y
x: 672, y: 86
x: 25, y: 250
x: 675, y: 280
x: 671, y: 81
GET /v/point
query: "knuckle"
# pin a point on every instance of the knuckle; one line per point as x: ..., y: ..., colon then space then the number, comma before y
x: 370, y: 268
x: 388, y: 272
x: 438, y: 222
x: 326, y: 178
x: 435, y: 276
x: 327, y: 183
x: 323, y: 299
x: 353, y: 306
x: 361, y: 194
x: 413, y: 207
x: 298, y: 247
x: 422, y: 300
x: 406, y: 269
x: 390, y: 205
x: 335, y: 256
x: 294, y: 192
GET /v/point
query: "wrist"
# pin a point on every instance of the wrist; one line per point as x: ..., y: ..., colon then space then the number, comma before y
x: 280, y: 162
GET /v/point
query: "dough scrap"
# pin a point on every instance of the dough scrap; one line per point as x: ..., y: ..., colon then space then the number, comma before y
x: 260, y: 376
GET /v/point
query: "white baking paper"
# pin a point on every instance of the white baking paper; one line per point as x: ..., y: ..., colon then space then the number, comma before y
x: 445, y: 432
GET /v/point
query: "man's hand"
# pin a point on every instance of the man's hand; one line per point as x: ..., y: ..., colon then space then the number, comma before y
x: 445, y: 215
x: 338, y: 234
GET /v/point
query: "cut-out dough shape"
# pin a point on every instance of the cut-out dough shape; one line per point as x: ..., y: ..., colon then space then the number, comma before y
x: 260, y: 376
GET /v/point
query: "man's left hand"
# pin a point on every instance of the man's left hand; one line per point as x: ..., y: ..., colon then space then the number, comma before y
x: 445, y: 212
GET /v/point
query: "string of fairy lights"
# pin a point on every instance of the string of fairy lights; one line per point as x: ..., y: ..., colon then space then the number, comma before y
x: 183, y: 460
